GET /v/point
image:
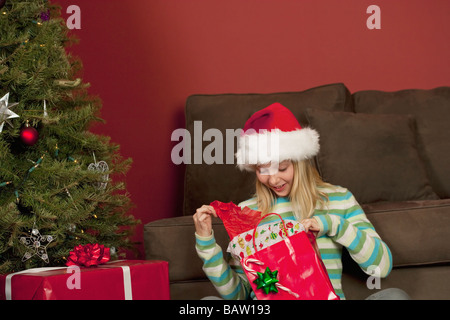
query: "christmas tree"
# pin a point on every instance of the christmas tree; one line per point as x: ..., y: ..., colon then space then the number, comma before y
x: 60, y: 185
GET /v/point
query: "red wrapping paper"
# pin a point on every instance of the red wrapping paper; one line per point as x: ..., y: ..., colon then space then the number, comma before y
x: 149, y: 281
x: 235, y: 219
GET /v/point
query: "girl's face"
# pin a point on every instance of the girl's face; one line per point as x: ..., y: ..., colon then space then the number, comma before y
x: 277, y: 177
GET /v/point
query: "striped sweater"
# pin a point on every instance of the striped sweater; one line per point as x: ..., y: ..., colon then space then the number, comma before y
x: 342, y: 223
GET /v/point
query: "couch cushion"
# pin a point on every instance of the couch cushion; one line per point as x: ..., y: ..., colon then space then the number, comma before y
x: 374, y: 156
x: 205, y: 183
x: 431, y: 109
x: 417, y: 232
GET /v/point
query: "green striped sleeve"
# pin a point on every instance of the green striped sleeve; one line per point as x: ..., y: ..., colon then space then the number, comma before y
x: 224, y: 278
x: 345, y: 222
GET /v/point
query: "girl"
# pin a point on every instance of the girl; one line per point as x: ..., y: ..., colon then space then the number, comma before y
x: 278, y: 150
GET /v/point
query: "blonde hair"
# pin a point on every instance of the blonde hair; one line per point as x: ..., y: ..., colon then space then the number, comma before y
x: 304, y: 194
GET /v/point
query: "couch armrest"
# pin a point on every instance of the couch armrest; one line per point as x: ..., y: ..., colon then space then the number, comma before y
x: 173, y: 240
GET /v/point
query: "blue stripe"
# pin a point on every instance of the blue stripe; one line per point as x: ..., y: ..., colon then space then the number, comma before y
x: 326, y: 256
x: 336, y: 276
x: 222, y: 276
x: 355, y: 241
x: 282, y: 200
x: 373, y: 255
x: 206, y: 242
x: 356, y: 212
x: 390, y: 259
x: 345, y: 196
x: 214, y: 258
x: 239, y: 271
x: 340, y: 225
x: 324, y: 222
x: 232, y: 294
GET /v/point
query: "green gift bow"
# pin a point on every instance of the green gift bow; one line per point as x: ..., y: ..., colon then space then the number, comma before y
x: 267, y: 280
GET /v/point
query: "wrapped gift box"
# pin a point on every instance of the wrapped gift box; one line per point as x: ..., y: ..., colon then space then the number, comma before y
x: 117, y: 280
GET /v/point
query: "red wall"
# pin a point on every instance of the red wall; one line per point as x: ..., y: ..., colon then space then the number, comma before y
x: 145, y: 57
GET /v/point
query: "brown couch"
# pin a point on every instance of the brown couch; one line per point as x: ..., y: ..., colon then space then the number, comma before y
x: 391, y: 149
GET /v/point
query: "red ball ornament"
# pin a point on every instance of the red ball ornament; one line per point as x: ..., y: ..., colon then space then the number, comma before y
x: 29, y: 136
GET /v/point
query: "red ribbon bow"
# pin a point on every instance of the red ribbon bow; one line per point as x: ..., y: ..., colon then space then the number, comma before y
x: 88, y: 255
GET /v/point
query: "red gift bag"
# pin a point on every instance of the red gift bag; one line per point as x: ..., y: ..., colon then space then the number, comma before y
x: 288, y: 270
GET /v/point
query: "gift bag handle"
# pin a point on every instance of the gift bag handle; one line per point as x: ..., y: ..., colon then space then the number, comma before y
x: 254, y: 230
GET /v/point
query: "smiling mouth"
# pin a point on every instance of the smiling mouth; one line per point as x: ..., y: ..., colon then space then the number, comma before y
x: 279, y: 188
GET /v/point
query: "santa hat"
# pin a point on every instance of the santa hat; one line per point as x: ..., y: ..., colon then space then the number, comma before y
x: 273, y: 134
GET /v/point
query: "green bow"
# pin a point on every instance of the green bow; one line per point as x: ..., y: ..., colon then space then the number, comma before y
x: 267, y: 280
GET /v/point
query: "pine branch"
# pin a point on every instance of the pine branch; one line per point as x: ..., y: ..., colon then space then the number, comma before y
x: 57, y: 193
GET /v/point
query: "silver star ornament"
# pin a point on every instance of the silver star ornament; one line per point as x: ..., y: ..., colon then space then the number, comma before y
x: 36, y: 245
x: 5, y: 112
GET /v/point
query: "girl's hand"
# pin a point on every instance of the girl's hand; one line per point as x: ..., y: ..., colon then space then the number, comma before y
x: 203, y: 220
x: 310, y: 224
